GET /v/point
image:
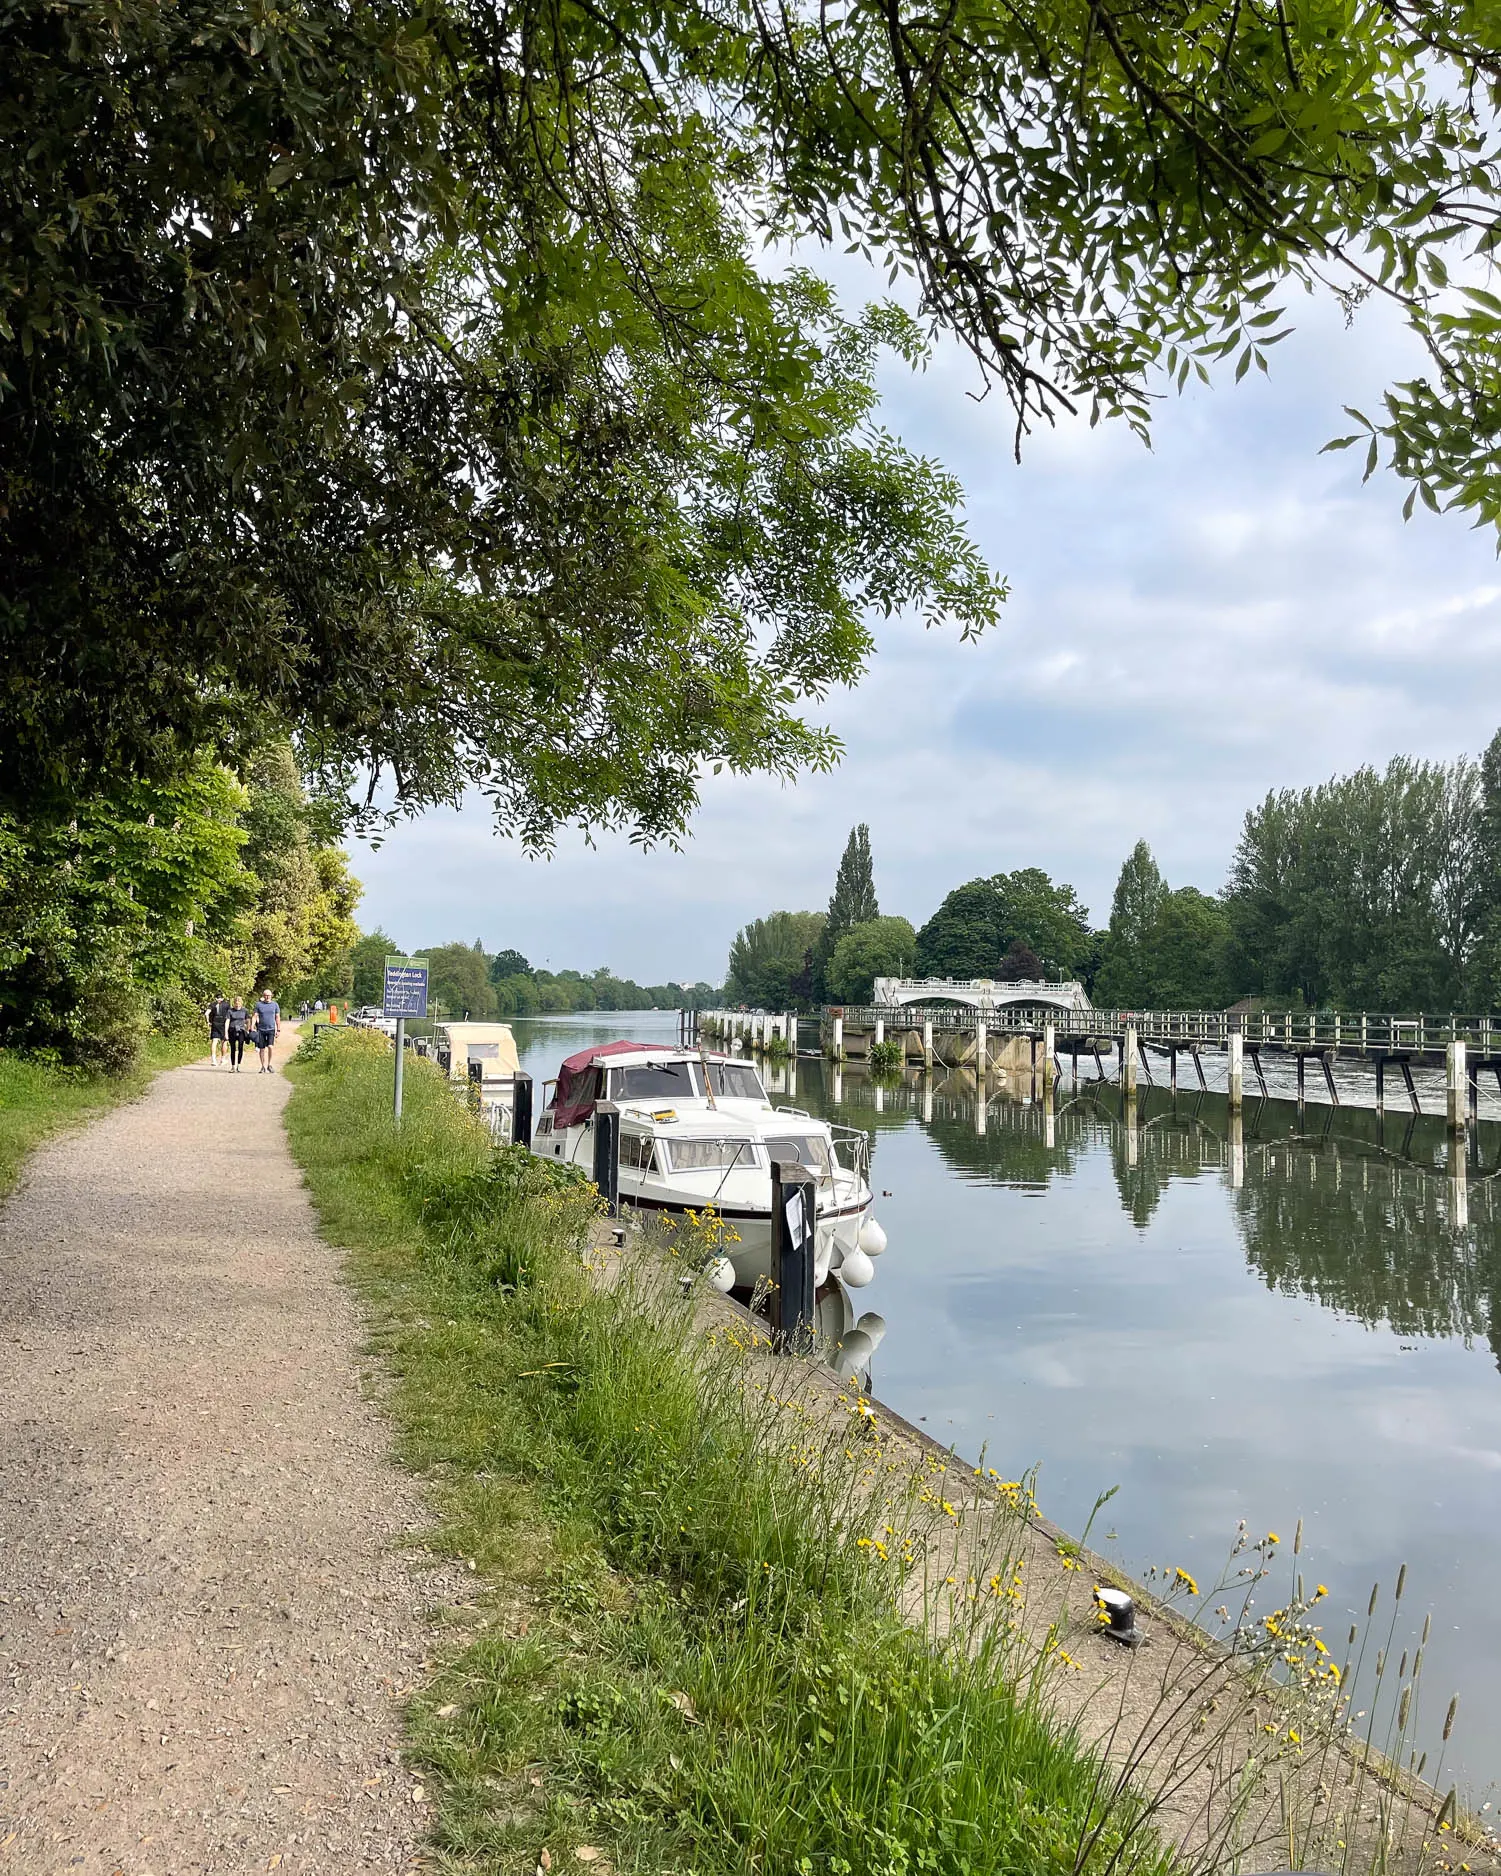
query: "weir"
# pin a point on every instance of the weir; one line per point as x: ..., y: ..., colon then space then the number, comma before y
x: 1032, y: 1029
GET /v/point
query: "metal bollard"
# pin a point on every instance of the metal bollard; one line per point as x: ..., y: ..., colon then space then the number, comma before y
x: 607, y: 1155
x: 521, y: 1111
x: 794, y: 1249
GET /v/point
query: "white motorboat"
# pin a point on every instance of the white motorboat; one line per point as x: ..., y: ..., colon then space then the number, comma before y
x: 697, y: 1130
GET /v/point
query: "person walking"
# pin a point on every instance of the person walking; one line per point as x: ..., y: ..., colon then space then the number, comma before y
x: 267, y: 1028
x: 237, y: 1032
x: 218, y: 1015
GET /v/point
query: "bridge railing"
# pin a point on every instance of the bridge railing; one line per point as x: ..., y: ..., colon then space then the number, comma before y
x: 1353, y: 1030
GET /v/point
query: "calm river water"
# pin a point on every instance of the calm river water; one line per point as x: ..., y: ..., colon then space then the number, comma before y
x: 1308, y: 1325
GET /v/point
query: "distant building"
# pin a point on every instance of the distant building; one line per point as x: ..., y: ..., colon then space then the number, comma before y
x: 977, y: 993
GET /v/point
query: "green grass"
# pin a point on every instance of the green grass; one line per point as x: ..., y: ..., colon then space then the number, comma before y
x: 685, y: 1661
x: 37, y: 1098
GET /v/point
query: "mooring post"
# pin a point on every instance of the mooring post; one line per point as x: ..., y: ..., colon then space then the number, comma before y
x: 789, y: 1032
x: 982, y: 1054
x: 1301, y: 1061
x: 1235, y: 1044
x: 521, y: 1110
x: 880, y: 1031
x: 1049, y: 1042
x: 1380, y: 1084
x: 1130, y: 1061
x: 927, y: 1044
x: 838, y: 1037
x: 607, y: 1155
x: 794, y: 1246
x: 1454, y: 1066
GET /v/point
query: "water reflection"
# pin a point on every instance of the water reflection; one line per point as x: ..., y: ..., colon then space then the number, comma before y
x: 1286, y: 1313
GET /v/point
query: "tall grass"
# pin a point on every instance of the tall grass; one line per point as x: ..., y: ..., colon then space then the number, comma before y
x: 694, y: 1657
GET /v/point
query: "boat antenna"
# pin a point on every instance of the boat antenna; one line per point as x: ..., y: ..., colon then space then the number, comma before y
x: 703, y: 1062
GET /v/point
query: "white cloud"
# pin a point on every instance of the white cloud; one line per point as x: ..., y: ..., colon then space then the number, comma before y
x: 1189, y: 626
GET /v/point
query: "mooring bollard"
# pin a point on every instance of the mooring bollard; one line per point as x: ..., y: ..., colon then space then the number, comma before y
x: 794, y: 1247
x: 607, y: 1155
x: 521, y: 1110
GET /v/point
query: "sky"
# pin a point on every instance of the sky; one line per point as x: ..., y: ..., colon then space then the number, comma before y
x: 1187, y: 628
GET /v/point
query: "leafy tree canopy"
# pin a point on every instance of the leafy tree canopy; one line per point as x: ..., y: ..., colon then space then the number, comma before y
x: 972, y: 931
x: 879, y: 947
x: 408, y: 372
x: 771, y: 957
x: 1126, y: 973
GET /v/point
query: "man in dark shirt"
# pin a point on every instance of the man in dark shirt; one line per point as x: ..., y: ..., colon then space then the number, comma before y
x: 267, y: 1028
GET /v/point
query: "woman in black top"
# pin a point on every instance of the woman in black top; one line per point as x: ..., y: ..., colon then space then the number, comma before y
x: 218, y: 1017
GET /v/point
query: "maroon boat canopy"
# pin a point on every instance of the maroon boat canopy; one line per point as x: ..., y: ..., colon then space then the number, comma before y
x: 574, y: 1097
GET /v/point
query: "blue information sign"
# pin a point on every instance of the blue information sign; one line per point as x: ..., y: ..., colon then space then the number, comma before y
x: 406, y: 987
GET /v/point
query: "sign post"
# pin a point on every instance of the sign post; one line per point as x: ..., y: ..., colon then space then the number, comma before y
x: 405, y: 995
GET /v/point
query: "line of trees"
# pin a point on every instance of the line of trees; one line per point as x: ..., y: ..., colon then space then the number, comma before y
x: 467, y: 978
x: 1377, y: 890
x: 131, y: 906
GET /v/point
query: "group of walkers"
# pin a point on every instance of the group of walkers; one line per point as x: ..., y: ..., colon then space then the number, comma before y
x: 231, y: 1026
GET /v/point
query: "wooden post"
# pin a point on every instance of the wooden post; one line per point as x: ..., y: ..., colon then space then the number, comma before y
x: 982, y: 1051
x: 927, y: 1044
x: 521, y: 1110
x: 1235, y: 1048
x: 880, y: 1029
x: 839, y: 1038
x: 607, y: 1155
x: 794, y: 1250
x: 1301, y: 1061
x: 1130, y: 1062
x: 1454, y: 1066
x: 1049, y: 1045
x: 1380, y: 1084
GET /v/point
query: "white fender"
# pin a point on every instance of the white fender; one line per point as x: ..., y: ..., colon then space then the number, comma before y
x: 856, y: 1270
x: 721, y: 1274
x: 872, y: 1239
x: 872, y: 1326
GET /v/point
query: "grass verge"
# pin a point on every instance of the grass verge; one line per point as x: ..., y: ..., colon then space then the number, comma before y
x: 38, y: 1098
x: 688, y: 1662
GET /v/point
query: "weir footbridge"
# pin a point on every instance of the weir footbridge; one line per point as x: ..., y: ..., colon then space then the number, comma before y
x: 1034, y: 1027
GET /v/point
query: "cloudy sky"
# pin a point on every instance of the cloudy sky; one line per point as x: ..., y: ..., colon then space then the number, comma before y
x: 1187, y: 628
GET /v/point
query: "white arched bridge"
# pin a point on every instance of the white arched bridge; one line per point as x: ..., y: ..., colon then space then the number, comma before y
x: 977, y: 993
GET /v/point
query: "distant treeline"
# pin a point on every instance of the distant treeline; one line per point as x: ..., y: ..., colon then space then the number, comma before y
x: 1376, y: 890
x: 467, y: 978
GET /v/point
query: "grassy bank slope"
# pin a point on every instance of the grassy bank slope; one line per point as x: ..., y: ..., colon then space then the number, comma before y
x: 36, y: 1100
x: 688, y: 1662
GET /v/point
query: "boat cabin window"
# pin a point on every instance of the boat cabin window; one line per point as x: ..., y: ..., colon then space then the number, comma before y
x: 636, y: 1151
x: 694, y: 1155
x: 654, y: 1081
x: 808, y: 1149
x: 736, y: 1081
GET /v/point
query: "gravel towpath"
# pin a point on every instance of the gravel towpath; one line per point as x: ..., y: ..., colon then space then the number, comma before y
x: 209, y: 1611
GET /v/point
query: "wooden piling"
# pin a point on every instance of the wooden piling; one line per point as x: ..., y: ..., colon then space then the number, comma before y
x: 927, y: 1044
x: 1454, y: 1070
x: 982, y: 1056
x: 794, y: 1248
x: 1130, y: 1062
x: 607, y: 1155
x: 1049, y: 1045
x: 1235, y: 1050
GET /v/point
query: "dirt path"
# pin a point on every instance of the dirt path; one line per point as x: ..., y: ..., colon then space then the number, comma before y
x: 205, y: 1621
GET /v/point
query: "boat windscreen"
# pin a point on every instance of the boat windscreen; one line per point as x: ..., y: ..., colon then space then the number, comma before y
x: 809, y: 1149
x: 694, y: 1155
x: 653, y: 1082
x: 736, y: 1081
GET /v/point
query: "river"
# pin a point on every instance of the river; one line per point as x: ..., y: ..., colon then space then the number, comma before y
x: 1306, y: 1325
